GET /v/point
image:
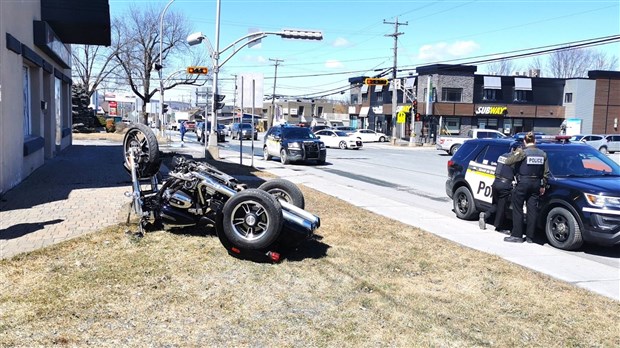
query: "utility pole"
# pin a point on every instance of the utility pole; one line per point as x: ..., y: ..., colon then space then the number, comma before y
x: 235, y: 99
x: 273, y: 96
x: 396, y: 34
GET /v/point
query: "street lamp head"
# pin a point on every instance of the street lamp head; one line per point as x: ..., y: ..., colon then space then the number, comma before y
x: 195, y: 38
x: 297, y: 34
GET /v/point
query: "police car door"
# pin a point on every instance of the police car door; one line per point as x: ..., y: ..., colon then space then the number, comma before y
x: 273, y: 141
x: 481, y: 172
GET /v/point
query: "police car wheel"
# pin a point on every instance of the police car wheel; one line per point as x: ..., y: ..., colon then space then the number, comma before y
x: 463, y: 202
x: 562, y: 229
x: 284, y: 157
x: 266, y: 155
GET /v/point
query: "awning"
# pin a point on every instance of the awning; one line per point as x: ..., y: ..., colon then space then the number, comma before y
x: 523, y: 84
x: 378, y: 88
x: 492, y: 82
x: 364, y: 89
x: 410, y: 83
x: 364, y: 111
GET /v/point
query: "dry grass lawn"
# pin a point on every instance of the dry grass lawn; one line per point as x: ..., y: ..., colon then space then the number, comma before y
x: 367, y: 281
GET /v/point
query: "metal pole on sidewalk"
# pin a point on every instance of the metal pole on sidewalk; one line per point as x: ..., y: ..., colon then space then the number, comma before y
x: 252, y: 129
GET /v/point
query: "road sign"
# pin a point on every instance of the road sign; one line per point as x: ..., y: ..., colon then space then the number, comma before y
x: 372, y: 81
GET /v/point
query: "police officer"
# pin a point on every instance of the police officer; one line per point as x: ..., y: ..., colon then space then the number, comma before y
x: 502, y: 189
x: 532, y: 171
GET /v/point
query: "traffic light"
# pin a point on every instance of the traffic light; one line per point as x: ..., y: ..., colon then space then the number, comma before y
x: 418, y: 117
x: 376, y: 81
x: 414, y: 106
x: 197, y: 70
x: 164, y: 108
x: 217, y: 102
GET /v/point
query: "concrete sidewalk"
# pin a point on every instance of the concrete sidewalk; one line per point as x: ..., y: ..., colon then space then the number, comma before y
x: 77, y: 192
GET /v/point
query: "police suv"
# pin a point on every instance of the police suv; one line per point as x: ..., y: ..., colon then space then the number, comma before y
x: 581, y: 202
x: 293, y: 143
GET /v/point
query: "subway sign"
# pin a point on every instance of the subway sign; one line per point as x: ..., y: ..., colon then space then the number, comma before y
x: 491, y: 110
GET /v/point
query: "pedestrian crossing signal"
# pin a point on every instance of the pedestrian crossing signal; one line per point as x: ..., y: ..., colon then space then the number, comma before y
x: 197, y: 70
x: 372, y: 81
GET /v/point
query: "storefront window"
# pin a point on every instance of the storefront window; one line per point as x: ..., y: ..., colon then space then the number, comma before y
x: 27, y: 100
x: 58, y: 109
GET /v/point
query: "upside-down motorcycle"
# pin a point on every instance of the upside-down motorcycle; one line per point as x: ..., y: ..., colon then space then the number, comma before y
x: 258, y: 224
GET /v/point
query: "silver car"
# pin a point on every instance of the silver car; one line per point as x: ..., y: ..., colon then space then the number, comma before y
x: 596, y: 141
x: 613, y: 143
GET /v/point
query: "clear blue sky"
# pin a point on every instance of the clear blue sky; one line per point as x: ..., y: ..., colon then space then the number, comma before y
x: 354, y: 32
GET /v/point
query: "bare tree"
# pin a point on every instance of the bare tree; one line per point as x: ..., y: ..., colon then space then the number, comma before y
x: 136, y: 45
x: 503, y: 67
x: 568, y: 63
x: 92, y: 65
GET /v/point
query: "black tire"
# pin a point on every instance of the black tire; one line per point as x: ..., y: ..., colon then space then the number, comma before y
x: 266, y: 155
x: 342, y: 145
x: 562, y: 229
x: 453, y: 149
x: 284, y: 157
x: 463, y: 203
x: 381, y: 139
x: 603, y: 149
x: 252, y: 219
x: 285, y: 190
x: 141, y: 136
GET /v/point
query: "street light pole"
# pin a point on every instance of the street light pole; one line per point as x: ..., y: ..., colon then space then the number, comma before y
x: 161, y: 66
x: 215, y: 56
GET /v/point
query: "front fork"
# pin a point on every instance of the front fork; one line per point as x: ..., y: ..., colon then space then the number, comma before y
x: 136, y: 195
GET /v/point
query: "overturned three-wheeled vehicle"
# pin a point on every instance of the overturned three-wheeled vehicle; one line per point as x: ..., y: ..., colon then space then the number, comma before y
x: 257, y: 224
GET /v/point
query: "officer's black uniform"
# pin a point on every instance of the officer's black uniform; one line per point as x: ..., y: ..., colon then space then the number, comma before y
x: 531, y: 171
x: 502, y: 189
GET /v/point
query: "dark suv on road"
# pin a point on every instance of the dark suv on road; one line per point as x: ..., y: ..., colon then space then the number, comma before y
x: 582, y: 200
x: 293, y: 143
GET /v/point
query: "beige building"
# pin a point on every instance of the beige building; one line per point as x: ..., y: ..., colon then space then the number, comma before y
x: 35, y: 78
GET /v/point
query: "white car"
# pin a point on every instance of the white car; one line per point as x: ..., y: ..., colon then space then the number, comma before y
x: 613, y: 143
x: 341, y: 139
x: 368, y: 135
x: 596, y: 141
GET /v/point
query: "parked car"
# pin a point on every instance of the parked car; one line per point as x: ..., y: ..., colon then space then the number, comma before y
x: 346, y: 129
x: 243, y: 131
x: 368, y: 135
x: 581, y: 202
x: 613, y: 143
x: 221, y: 135
x: 190, y: 126
x: 340, y: 139
x: 598, y: 142
x: 315, y: 129
x: 293, y: 143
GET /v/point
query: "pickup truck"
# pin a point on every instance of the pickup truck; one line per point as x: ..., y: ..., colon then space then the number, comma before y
x: 450, y: 144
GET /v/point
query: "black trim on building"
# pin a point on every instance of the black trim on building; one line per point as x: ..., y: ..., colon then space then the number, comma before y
x: 79, y: 21
x: 49, y: 42
x: 445, y: 68
x: 13, y: 44
x: 32, y: 56
x: 48, y: 67
x: 603, y: 74
x: 32, y: 145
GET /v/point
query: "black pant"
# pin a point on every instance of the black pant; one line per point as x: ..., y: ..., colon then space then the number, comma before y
x: 502, y: 190
x: 526, y: 189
